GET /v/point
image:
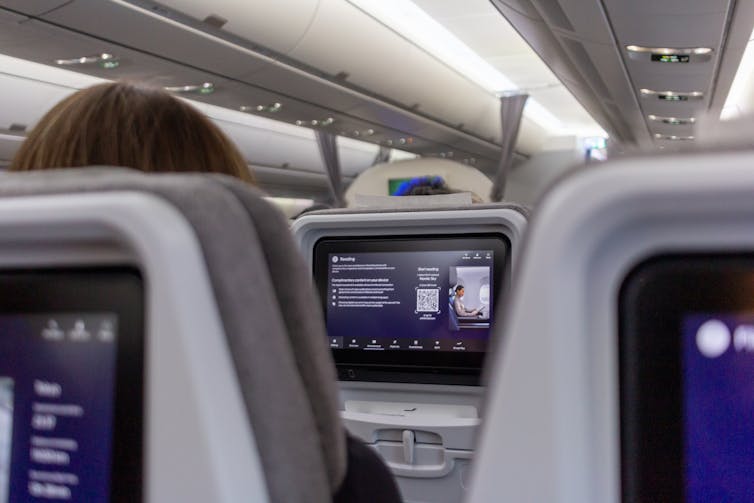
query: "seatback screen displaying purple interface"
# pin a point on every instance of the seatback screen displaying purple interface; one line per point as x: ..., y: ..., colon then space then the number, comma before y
x: 718, y: 407
x: 57, y: 391
x: 686, y: 348
x: 71, y: 385
x: 411, y: 304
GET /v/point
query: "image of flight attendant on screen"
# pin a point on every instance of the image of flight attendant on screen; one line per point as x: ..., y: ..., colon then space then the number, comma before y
x: 469, y: 302
x: 6, y: 429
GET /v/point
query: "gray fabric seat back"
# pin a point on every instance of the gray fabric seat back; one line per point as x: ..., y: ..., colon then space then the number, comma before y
x: 269, y: 312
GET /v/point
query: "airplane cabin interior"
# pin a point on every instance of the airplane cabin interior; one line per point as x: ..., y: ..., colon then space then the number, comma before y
x: 486, y: 251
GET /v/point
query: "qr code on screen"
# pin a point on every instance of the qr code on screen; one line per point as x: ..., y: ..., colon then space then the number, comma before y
x: 427, y: 300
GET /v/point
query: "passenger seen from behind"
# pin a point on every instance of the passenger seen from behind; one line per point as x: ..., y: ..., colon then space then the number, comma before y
x: 429, y: 186
x: 130, y: 125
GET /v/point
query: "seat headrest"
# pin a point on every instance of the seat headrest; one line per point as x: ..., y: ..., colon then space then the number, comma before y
x: 272, y: 322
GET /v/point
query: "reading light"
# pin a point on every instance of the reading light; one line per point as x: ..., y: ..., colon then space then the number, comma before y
x: 272, y: 108
x: 105, y: 60
x: 204, y: 88
x: 316, y: 122
x: 673, y: 121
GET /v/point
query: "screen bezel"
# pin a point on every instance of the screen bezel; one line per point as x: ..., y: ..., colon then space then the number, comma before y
x: 654, y: 298
x: 402, y: 365
x: 117, y: 290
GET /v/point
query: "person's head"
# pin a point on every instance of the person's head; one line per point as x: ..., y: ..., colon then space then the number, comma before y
x: 424, y: 186
x: 459, y: 291
x: 130, y: 125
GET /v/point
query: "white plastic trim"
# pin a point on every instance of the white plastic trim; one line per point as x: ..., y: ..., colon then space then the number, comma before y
x: 551, y: 430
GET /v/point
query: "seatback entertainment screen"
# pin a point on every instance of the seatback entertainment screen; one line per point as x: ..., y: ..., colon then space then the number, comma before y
x: 70, y: 386
x: 687, y: 372
x: 424, y: 304
x: 718, y: 391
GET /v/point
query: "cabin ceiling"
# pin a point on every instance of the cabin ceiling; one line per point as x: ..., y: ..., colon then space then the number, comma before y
x: 284, y: 52
x: 585, y: 42
x: 479, y: 25
x: 167, y: 48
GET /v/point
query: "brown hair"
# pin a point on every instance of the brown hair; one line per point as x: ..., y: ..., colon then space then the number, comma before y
x: 125, y: 124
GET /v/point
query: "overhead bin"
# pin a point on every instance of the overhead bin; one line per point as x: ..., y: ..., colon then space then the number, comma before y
x: 262, y: 141
x: 158, y: 34
x: 278, y: 25
x: 342, y: 39
x: 59, y: 43
x: 266, y: 143
x: 33, y: 7
x: 278, y: 50
x: 292, y: 50
x: 8, y: 146
x: 31, y: 100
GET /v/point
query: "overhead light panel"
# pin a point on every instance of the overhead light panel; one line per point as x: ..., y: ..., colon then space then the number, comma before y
x: 670, y: 55
x: 666, y: 50
x: 203, y: 88
x: 316, y: 122
x: 271, y: 108
x: 672, y: 95
x: 673, y: 121
x: 104, y: 60
x: 672, y: 137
